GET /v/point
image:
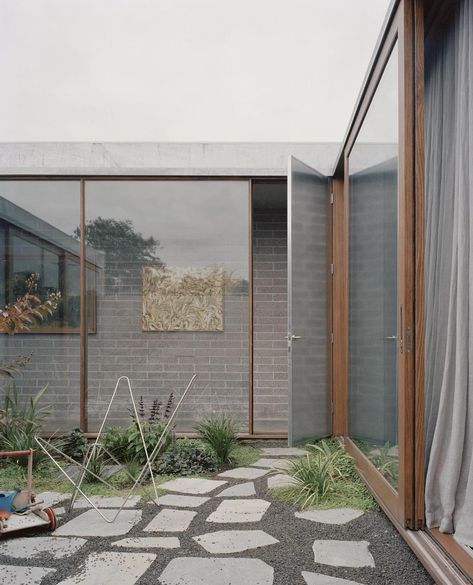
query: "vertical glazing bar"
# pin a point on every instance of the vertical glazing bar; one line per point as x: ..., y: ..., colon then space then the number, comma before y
x: 83, y: 314
x: 250, y: 312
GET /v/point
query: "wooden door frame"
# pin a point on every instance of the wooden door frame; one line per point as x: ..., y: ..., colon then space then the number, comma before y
x: 403, y: 27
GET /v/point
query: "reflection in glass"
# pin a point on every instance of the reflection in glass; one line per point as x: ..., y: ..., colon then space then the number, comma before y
x: 171, y: 262
x: 373, y: 164
x: 37, y: 222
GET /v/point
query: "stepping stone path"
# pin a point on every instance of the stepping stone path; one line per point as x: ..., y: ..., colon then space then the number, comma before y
x: 110, y: 568
x: 343, y: 553
x: 182, y: 501
x: 52, y: 498
x: 12, y: 575
x: 337, y: 516
x: 281, y: 480
x: 240, y: 490
x: 187, y: 485
x: 319, y: 579
x: 283, y: 452
x: 234, y: 541
x: 149, y: 542
x: 239, y: 511
x: 176, y: 513
x: 170, y: 521
x: 91, y: 524
x: 273, y: 463
x: 198, y: 571
x: 34, y: 547
x: 244, y: 473
x: 107, y: 502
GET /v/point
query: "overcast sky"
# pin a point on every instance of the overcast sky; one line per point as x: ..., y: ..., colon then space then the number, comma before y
x: 183, y: 70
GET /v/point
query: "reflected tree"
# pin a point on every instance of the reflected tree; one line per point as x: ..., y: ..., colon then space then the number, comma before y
x: 126, y: 251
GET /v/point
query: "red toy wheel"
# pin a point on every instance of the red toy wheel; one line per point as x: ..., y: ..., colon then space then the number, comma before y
x: 52, y: 518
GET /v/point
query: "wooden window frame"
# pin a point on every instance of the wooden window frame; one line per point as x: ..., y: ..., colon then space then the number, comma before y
x: 400, y: 504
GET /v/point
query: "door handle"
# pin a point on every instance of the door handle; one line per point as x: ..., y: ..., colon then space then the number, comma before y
x: 392, y: 337
x: 291, y: 337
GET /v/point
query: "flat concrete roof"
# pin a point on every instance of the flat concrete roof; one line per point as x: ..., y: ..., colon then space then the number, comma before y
x: 265, y: 159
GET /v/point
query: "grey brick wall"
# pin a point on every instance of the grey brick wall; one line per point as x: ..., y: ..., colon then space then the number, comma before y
x: 160, y: 363
x: 270, y: 320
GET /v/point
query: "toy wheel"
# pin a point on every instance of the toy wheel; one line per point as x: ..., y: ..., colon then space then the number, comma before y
x: 52, y: 518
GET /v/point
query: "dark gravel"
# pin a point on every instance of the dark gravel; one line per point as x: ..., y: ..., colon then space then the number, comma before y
x: 395, y: 563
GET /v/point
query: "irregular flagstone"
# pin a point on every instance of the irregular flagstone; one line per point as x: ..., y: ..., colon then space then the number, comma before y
x: 337, y: 516
x: 174, y: 500
x: 238, y: 491
x: 11, y: 575
x: 91, y: 524
x: 149, y: 542
x: 199, y: 571
x: 343, y: 553
x: 281, y: 480
x: 319, y: 579
x: 107, y: 502
x: 110, y: 568
x: 283, y: 452
x: 192, y: 485
x: 244, y: 473
x: 169, y: 520
x: 60, y: 511
x: 234, y: 541
x: 52, y: 498
x: 273, y: 463
x: 33, y: 547
x: 236, y: 511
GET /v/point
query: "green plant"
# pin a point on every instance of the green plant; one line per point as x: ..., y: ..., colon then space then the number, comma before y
x: 96, y: 463
x: 186, y: 461
x: 74, y: 444
x: 125, y: 443
x: 317, y: 473
x: 20, y: 420
x: 385, y: 463
x: 219, y: 432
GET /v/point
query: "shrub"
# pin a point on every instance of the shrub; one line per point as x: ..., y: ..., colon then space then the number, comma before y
x: 125, y: 444
x: 20, y: 420
x: 219, y: 432
x: 74, y: 444
x: 318, y: 472
x: 186, y: 460
x: 96, y: 465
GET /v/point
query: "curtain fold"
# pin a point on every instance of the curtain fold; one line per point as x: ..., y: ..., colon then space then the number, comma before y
x: 449, y: 276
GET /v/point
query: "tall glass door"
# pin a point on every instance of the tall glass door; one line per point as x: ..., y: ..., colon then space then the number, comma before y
x: 308, y: 340
x: 373, y: 279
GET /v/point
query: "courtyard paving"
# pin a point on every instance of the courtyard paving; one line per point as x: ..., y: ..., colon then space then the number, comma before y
x: 228, y: 530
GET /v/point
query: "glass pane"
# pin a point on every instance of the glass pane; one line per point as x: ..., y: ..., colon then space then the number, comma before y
x: 309, y: 397
x: 38, y: 219
x: 270, y: 375
x: 171, y: 262
x: 373, y: 164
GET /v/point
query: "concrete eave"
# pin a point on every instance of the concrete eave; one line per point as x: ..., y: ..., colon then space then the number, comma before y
x: 224, y: 159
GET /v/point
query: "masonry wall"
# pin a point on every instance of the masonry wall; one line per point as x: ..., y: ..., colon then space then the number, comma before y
x: 270, y: 320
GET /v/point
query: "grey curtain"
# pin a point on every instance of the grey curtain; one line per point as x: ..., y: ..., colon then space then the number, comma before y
x: 449, y: 276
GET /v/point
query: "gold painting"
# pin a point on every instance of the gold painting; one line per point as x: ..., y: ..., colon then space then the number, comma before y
x: 190, y: 300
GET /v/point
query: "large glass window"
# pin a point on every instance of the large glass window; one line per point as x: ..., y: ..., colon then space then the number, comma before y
x: 172, y: 273
x: 373, y: 196
x: 38, y: 242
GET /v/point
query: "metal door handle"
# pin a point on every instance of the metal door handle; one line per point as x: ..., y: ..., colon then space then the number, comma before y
x: 291, y: 337
x: 391, y: 337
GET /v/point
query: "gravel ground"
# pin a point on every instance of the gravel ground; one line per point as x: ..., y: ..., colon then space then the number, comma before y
x: 395, y: 563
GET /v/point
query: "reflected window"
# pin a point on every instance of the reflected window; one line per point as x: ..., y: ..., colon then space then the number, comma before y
x: 54, y: 270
